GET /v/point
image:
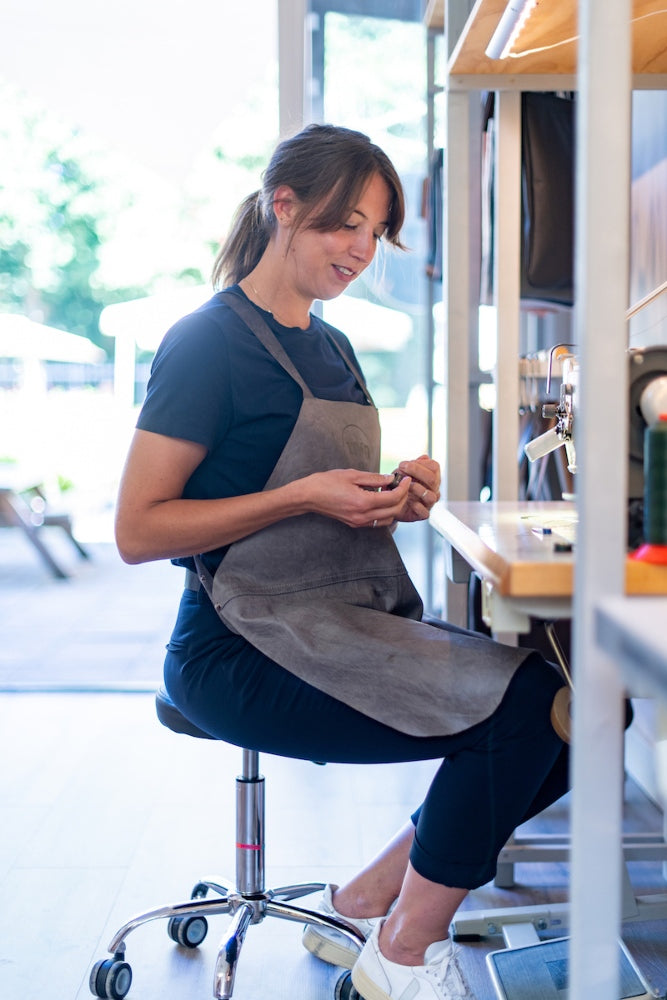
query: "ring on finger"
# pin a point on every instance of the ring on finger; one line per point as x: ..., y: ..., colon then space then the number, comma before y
x: 423, y: 494
x: 375, y: 523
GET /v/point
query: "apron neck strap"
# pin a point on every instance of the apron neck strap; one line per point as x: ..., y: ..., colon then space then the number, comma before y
x: 265, y: 335
x: 352, y: 367
x: 268, y: 339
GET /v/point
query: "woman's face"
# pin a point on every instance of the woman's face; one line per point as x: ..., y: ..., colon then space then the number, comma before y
x: 323, y: 264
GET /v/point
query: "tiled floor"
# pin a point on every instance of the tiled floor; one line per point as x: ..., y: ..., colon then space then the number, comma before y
x: 107, y: 624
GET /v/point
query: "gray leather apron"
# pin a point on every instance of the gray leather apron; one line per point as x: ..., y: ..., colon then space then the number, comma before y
x: 334, y: 605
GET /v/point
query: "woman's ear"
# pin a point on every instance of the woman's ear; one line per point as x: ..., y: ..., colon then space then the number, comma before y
x: 284, y: 204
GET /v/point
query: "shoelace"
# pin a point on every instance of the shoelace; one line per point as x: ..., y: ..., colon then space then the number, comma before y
x: 447, y: 974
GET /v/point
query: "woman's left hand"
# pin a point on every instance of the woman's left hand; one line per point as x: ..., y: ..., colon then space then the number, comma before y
x: 424, y: 489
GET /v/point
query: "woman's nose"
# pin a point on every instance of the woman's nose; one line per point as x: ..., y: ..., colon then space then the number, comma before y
x: 364, y: 246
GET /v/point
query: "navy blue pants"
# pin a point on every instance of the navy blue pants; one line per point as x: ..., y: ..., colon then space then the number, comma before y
x: 493, y: 776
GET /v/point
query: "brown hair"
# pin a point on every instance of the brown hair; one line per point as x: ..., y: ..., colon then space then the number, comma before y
x: 327, y: 167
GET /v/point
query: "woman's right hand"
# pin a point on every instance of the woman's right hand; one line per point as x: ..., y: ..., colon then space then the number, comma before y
x: 358, y: 499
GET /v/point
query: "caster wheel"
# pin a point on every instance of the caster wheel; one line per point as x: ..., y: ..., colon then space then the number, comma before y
x: 187, y: 931
x: 345, y: 990
x: 110, y: 979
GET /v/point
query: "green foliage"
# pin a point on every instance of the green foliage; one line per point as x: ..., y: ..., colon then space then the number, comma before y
x: 82, y: 228
x: 52, y: 213
x: 64, y: 484
x: 14, y: 268
x: 72, y: 299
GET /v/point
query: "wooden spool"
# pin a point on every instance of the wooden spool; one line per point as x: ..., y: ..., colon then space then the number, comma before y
x: 561, y: 713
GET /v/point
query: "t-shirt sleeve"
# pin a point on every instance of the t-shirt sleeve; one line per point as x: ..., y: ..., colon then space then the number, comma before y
x: 188, y: 390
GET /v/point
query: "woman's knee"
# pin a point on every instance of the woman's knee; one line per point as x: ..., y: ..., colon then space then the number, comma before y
x: 525, y: 710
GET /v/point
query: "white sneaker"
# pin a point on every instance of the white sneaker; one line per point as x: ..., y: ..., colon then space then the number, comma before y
x: 328, y: 944
x: 440, y: 978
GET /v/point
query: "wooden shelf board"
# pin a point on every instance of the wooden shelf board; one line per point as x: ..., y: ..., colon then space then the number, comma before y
x: 434, y: 15
x: 505, y: 542
x: 552, y: 29
x: 645, y: 578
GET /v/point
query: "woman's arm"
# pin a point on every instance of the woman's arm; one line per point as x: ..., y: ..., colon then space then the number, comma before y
x: 153, y: 521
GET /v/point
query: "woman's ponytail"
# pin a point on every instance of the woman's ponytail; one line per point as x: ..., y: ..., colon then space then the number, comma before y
x: 246, y: 242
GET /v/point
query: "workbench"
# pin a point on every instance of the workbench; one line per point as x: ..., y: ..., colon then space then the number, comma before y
x: 524, y: 554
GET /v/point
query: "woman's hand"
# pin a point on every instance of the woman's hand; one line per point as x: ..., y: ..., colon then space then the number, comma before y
x: 366, y: 499
x: 153, y: 521
x: 424, y: 490
x: 358, y: 499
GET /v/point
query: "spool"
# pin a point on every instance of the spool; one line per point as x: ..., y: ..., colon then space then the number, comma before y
x: 561, y: 713
x: 654, y: 549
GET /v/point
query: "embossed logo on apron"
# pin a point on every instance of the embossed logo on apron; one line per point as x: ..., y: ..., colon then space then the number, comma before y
x: 358, y: 447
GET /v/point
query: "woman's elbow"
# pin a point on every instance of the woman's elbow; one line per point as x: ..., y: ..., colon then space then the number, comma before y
x: 131, y: 555
x: 130, y: 544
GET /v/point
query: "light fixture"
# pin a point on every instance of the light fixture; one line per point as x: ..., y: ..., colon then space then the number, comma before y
x: 510, y: 24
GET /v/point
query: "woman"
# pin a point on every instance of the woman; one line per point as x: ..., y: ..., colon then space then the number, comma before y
x: 254, y: 465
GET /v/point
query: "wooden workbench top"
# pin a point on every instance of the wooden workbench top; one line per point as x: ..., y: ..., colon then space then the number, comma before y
x: 514, y: 545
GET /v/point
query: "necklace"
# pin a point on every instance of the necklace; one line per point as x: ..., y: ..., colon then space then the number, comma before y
x: 265, y: 306
x: 263, y: 303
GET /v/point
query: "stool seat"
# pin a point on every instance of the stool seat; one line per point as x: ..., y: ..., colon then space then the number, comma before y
x: 172, y: 717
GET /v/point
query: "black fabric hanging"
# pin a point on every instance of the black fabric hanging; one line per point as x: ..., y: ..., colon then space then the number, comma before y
x: 547, y: 199
x: 547, y: 179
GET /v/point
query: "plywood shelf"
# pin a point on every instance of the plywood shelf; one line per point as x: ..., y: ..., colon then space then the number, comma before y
x: 434, y: 15
x: 548, y: 44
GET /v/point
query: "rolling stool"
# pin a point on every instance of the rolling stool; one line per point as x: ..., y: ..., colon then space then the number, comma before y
x: 249, y: 902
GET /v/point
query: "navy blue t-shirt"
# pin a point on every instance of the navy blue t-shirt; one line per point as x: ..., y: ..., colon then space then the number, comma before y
x: 214, y: 383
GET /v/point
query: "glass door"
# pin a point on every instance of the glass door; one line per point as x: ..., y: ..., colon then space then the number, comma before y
x: 369, y: 72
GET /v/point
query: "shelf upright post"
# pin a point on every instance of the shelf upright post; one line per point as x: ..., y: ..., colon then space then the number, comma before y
x: 601, y: 283
x: 506, y: 284
x: 293, y: 66
x: 459, y: 321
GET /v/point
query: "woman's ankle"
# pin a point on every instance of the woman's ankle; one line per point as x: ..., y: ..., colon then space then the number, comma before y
x: 395, y: 949
x: 357, y: 905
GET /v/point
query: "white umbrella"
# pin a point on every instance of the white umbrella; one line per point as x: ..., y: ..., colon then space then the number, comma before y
x: 370, y: 327
x: 25, y: 340
x: 143, y: 323
x: 146, y: 320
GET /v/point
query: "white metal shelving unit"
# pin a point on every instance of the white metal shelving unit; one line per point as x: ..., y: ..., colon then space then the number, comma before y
x: 607, y: 56
x: 632, y: 632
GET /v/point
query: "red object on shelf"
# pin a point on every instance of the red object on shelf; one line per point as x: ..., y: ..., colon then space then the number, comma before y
x: 656, y: 554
